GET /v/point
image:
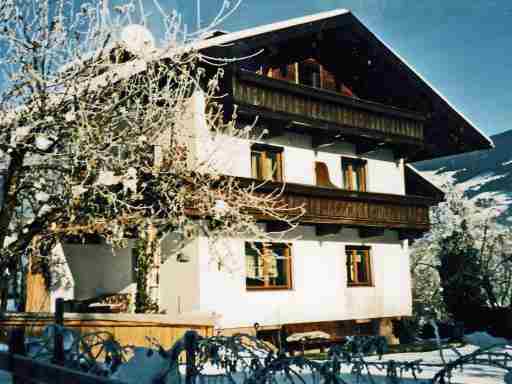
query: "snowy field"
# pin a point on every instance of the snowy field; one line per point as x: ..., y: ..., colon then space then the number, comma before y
x: 472, y: 374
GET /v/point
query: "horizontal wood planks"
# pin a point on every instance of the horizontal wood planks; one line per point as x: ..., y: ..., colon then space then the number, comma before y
x: 126, y: 332
x: 295, y: 100
x: 323, y: 205
x: 324, y: 210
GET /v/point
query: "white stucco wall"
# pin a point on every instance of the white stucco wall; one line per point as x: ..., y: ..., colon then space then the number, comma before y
x: 232, y: 156
x: 179, y: 281
x: 320, y: 291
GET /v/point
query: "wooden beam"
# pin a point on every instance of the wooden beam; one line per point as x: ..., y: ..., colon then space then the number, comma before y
x: 370, y: 232
x: 327, y: 229
x: 322, y: 140
x: 317, y: 126
x: 277, y: 226
x: 408, y: 234
x: 274, y: 129
x: 363, y: 148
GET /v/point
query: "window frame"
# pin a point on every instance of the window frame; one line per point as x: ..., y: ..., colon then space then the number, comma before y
x: 264, y: 149
x: 310, y: 66
x: 288, y: 267
x: 361, y: 172
x: 350, y: 252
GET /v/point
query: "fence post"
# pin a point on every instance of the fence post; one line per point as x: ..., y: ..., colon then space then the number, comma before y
x: 190, y: 349
x: 58, y: 339
x: 16, y: 347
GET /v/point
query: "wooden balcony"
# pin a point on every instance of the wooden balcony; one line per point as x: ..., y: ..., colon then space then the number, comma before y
x: 323, y: 110
x: 356, y: 209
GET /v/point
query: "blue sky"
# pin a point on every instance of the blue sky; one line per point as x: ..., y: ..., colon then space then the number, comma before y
x: 460, y: 46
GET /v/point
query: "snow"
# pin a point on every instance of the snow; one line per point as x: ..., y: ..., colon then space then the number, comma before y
x: 440, y: 177
x: 268, y: 28
x: 501, y: 201
x: 477, y: 182
x: 5, y: 378
x: 474, y: 374
x: 484, y: 340
x: 141, y: 369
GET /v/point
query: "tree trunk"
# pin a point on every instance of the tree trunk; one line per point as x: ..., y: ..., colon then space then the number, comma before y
x: 7, y: 209
x: 10, y: 193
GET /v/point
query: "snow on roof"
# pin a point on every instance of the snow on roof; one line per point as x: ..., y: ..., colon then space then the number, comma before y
x: 246, y: 33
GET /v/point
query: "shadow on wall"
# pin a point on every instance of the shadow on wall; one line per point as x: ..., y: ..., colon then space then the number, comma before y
x: 97, y: 269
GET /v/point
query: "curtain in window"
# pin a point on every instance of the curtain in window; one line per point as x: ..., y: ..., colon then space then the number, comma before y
x: 261, y: 266
x: 254, y: 266
x: 270, y: 263
x: 267, y: 169
x: 255, y: 164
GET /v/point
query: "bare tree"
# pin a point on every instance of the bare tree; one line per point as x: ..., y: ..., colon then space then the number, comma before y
x: 96, y: 130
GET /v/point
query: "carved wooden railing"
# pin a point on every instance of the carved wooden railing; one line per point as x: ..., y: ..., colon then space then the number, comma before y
x: 283, y: 100
x: 337, y: 206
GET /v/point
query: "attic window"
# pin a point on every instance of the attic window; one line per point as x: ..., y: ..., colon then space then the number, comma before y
x: 309, y: 74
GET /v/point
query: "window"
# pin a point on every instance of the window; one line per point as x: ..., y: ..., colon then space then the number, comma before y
x: 358, y: 266
x: 268, y: 266
x: 354, y: 174
x: 267, y: 162
x: 309, y: 73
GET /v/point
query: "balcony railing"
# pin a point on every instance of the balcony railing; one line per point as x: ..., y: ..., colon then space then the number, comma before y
x: 317, y: 107
x: 337, y: 206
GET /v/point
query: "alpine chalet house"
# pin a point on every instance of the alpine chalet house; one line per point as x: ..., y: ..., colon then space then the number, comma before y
x: 344, y: 115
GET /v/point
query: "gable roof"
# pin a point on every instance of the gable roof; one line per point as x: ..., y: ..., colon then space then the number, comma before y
x: 449, y: 121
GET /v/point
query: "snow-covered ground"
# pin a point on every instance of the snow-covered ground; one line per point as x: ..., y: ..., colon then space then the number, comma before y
x: 472, y: 374
x: 5, y: 378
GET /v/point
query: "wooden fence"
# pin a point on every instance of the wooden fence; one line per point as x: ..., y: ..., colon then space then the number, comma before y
x: 25, y: 370
x: 127, y: 329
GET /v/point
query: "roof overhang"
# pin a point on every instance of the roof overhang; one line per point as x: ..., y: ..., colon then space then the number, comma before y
x: 448, y: 131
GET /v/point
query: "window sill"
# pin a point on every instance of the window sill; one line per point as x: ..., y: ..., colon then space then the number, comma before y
x: 365, y: 285
x: 256, y: 289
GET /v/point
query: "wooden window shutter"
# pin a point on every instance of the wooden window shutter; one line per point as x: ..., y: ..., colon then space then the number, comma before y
x: 327, y: 80
x: 362, y: 177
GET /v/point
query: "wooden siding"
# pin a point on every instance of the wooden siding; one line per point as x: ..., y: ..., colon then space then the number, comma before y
x: 126, y: 329
x: 323, y: 210
x: 351, y: 208
x: 315, y: 104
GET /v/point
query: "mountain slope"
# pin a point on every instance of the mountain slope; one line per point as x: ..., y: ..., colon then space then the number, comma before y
x: 481, y: 174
